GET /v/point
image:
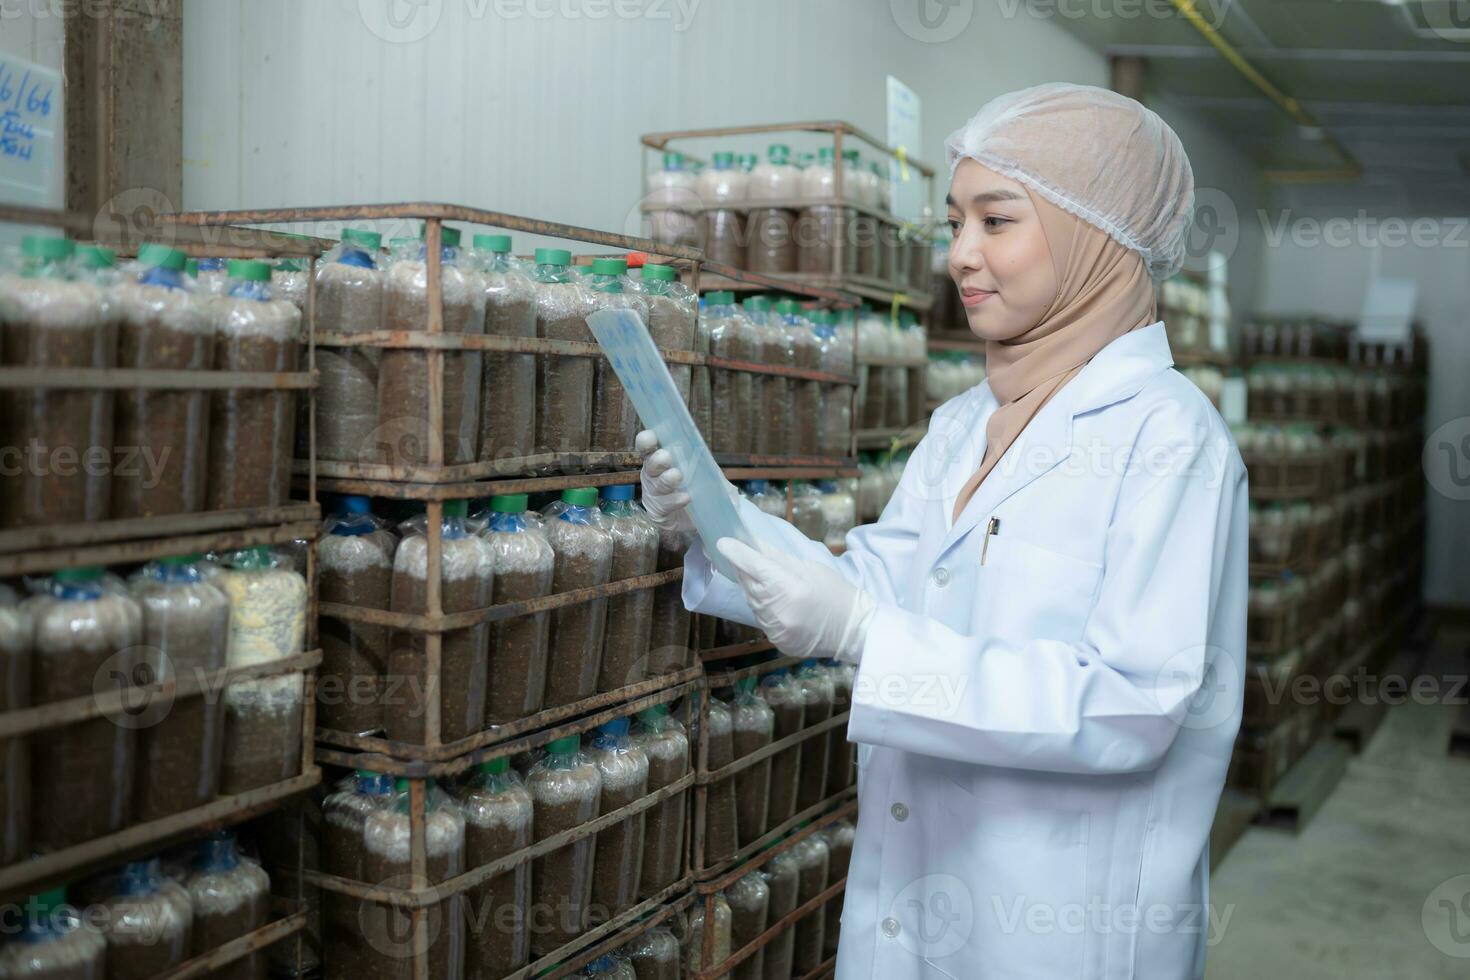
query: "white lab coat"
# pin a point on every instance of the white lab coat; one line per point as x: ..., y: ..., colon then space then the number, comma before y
x: 1048, y: 695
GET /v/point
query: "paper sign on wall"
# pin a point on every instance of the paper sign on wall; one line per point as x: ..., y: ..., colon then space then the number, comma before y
x: 30, y: 119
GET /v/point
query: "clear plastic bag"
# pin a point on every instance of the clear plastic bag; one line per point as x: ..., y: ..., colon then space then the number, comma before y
x: 672, y: 314
x: 841, y: 754
x: 666, y: 745
x: 160, y: 439
x: 834, y: 437
x: 251, y: 430
x: 564, y: 385
x: 584, y: 555
x: 720, y: 835
x: 619, y: 850
x: 750, y: 901
x: 771, y: 393
x: 839, y: 837
x: 614, y: 419
x: 779, y: 690
x: 525, y: 566
x: 782, y: 875
x: 231, y: 897
x: 15, y: 756
x: 839, y: 511
x: 466, y: 582
x: 754, y: 724
x: 62, y: 438
x: 625, y: 650
x: 498, y: 812
x: 148, y: 923
x: 806, y: 412
x: 818, y: 695
x: 806, y: 511
x: 812, y: 857
x: 355, y: 568
x: 668, y: 636
x: 719, y: 934
x: 508, y: 393
x: 387, y: 860
x: 403, y: 377
x: 655, y: 955
x: 263, y: 717
x: 349, y: 300
x: 566, y: 787
x: 85, y: 629
x: 186, y: 625
x: 53, y: 943
x: 731, y: 336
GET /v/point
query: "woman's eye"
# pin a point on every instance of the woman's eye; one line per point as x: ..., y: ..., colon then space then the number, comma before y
x: 954, y: 227
x: 992, y: 222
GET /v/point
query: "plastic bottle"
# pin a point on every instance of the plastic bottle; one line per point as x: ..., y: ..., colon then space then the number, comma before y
x: 524, y: 568
x: 806, y: 395
x: 289, y: 280
x: 250, y: 430
x: 566, y: 787
x: 841, y: 761
x: 403, y: 378
x: 186, y: 623
x: 721, y: 836
x: 231, y: 897
x: 782, y: 875
x: 839, y: 511
x: 614, y: 419
x: 666, y: 745
x: 84, y: 630
x: 754, y: 724
x: 53, y: 944
x: 15, y: 757
x: 722, y: 229
x: 672, y: 192
x: 564, y: 386
x: 770, y: 245
x: 818, y: 696
x: 584, y: 557
x: 812, y: 858
x: 355, y: 566
x: 672, y: 315
x: 466, y: 581
x: 771, y: 394
x: 834, y: 436
x: 654, y: 955
x: 54, y: 319
x: 619, y: 850
x: 148, y: 923
x: 508, y: 392
x: 349, y: 300
x: 750, y: 905
x: 719, y: 935
x: 734, y: 337
x: 839, y: 837
x: 629, y: 616
x: 263, y: 717
x: 160, y: 436
x: 498, y: 812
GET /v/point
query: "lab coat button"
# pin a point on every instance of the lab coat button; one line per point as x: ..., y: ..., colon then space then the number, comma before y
x: 890, y: 928
x: 900, y: 812
x: 941, y: 577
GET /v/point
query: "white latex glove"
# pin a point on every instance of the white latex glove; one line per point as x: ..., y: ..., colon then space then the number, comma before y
x: 806, y: 609
x: 664, y: 496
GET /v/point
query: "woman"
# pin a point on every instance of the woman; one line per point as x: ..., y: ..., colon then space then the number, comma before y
x: 1049, y: 618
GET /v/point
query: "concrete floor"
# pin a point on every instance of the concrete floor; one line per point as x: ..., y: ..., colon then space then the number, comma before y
x: 1343, y: 899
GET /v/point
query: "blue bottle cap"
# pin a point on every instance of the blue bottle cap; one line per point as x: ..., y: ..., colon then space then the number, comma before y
x: 621, y: 491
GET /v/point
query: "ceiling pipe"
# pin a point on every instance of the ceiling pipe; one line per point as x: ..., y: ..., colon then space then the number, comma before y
x: 1350, y: 169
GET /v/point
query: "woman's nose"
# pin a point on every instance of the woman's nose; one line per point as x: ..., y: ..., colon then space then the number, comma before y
x: 965, y: 254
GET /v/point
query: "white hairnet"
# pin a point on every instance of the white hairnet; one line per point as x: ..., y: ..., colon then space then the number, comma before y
x: 1100, y: 155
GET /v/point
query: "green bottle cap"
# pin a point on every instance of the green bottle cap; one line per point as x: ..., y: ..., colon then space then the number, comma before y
x: 757, y: 304
x: 47, y: 247
x: 826, y: 155
x: 396, y: 243
x: 663, y: 273
x: 448, y: 236
x: 456, y: 508
x: 565, y: 746
x: 192, y: 268
x: 495, y: 767
x: 788, y: 307
x: 401, y: 784
x: 580, y: 496
x: 778, y: 153
x: 367, y: 774
x: 723, y: 159
x: 290, y: 265
x: 850, y: 156
x: 609, y: 267
x: 95, y: 257
x: 510, y: 503
x: 48, y: 902
x: 492, y: 243
x: 251, y: 270
x: 369, y: 240
x: 653, y: 713
x: 163, y: 257
x: 553, y: 256
x: 175, y: 560
x: 81, y: 573
x: 746, y: 684
x: 720, y: 297
x: 672, y: 160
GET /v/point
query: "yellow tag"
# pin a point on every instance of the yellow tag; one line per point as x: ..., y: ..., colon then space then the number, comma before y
x: 903, y: 164
x: 898, y: 300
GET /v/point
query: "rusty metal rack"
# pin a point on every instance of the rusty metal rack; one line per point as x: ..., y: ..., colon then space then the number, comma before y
x: 899, y: 288
x: 616, y: 931
x: 126, y: 541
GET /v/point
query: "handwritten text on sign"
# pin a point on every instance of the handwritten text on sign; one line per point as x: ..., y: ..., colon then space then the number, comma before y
x: 30, y: 111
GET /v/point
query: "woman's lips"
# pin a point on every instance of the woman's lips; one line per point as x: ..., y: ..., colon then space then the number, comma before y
x: 974, y: 297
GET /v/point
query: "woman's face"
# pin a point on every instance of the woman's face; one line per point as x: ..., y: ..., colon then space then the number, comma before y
x: 999, y: 259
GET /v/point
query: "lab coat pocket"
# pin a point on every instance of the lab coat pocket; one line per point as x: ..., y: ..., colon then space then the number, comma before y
x: 1025, y: 864
x: 1036, y: 592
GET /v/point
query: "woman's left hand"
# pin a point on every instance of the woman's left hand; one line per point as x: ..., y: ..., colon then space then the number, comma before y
x: 806, y: 609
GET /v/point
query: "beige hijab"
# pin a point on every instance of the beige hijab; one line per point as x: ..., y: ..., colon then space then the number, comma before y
x: 1104, y: 292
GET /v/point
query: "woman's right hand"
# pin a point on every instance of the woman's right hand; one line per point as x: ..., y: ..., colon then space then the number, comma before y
x: 664, y: 496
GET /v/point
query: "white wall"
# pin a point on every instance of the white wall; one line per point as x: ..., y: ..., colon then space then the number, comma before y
x: 1306, y: 274
x: 290, y: 103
